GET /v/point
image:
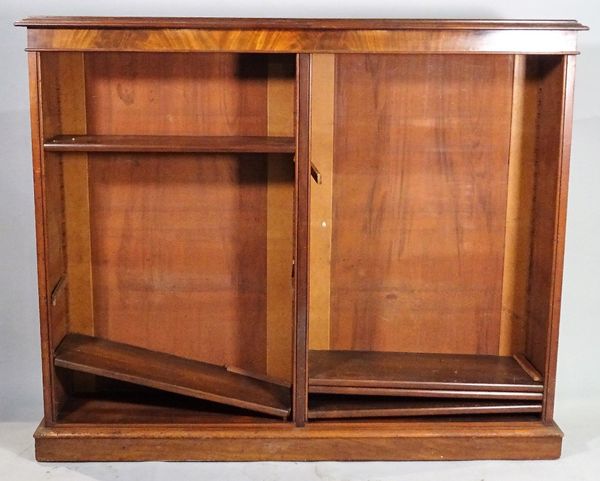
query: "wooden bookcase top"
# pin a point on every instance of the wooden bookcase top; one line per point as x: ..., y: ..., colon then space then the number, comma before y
x: 283, y: 35
x: 296, y: 23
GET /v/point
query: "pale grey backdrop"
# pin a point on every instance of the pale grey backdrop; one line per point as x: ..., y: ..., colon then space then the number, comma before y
x: 579, y: 358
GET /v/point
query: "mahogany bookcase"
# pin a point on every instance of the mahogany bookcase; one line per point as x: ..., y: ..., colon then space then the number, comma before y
x: 277, y: 239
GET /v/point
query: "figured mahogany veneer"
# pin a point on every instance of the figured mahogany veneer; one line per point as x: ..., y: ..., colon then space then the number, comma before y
x: 299, y: 239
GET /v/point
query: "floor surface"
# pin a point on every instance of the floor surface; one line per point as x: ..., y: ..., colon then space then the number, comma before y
x: 580, y: 461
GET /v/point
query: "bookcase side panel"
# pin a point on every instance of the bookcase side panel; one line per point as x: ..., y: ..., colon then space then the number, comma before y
x: 555, y: 77
x: 62, y: 109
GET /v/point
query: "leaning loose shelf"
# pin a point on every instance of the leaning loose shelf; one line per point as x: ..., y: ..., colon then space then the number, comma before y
x: 169, y: 373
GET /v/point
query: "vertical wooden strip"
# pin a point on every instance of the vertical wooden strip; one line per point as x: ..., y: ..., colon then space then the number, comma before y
x: 38, y: 188
x: 51, y: 86
x: 559, y: 236
x: 76, y: 194
x: 79, y: 267
x: 302, y: 247
x: 280, y: 218
x: 518, y: 212
x: 548, y: 73
x: 321, y: 200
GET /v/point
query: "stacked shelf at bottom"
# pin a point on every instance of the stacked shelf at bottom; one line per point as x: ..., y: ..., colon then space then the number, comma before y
x: 355, y: 384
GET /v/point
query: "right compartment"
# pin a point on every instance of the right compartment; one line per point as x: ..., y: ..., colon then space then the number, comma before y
x: 436, y: 245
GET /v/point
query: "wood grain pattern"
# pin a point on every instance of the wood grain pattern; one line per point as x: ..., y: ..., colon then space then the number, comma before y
x: 169, y: 373
x: 549, y: 75
x: 178, y: 238
x: 399, y: 440
x: 177, y: 94
x: 418, y: 371
x: 420, y: 176
x: 555, y: 83
x: 281, y: 97
x: 70, y: 88
x: 336, y: 407
x: 321, y: 198
x: 307, y: 41
x: 53, y: 68
x: 179, y: 255
x: 51, y: 396
x: 49, y: 71
x: 54, y: 219
x: 519, y: 211
x: 170, y: 143
x: 559, y: 249
x: 78, y: 243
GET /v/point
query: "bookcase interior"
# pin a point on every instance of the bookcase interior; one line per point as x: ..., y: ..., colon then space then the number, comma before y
x: 432, y: 232
x: 169, y: 199
x: 169, y: 209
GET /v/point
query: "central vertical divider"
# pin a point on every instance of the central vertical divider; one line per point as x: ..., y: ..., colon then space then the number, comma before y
x: 302, y: 239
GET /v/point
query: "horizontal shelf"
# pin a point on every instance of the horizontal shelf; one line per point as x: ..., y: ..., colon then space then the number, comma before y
x: 340, y: 407
x: 426, y: 393
x: 174, y: 374
x: 170, y: 143
x: 370, y: 372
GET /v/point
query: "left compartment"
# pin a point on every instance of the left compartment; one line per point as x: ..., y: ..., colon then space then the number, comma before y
x: 164, y: 207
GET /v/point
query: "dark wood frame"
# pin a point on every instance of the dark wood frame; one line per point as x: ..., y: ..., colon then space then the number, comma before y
x: 524, y: 437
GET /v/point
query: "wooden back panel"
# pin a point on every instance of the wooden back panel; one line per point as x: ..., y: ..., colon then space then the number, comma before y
x: 179, y: 242
x: 419, y: 200
x: 179, y: 255
x: 176, y: 94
